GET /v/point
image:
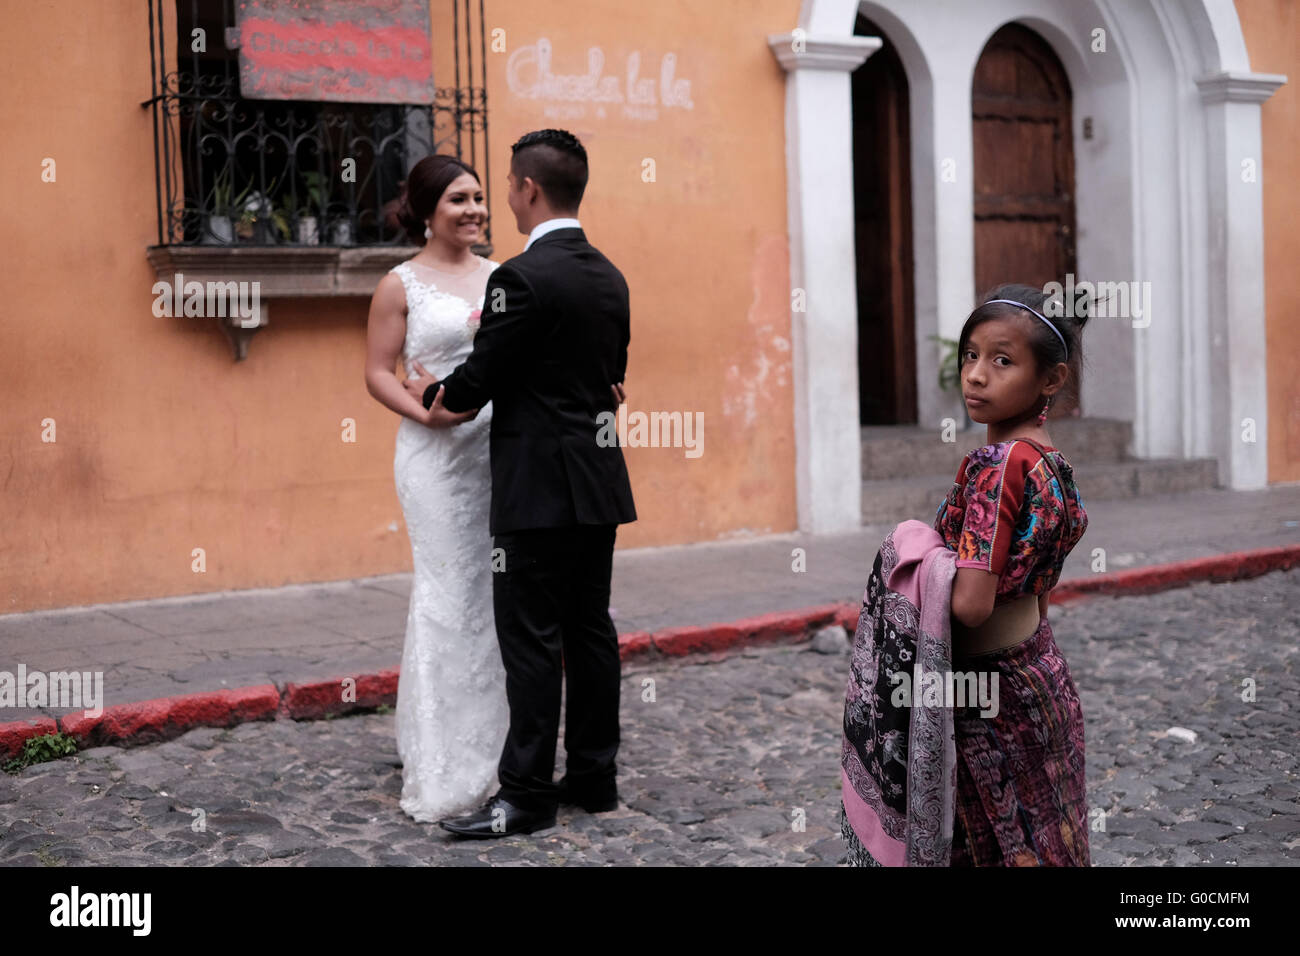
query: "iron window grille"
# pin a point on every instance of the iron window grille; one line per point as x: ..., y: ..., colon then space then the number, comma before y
x: 231, y: 170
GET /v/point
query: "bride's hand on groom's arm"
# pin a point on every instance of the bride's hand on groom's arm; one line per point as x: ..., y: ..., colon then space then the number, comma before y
x: 620, y: 393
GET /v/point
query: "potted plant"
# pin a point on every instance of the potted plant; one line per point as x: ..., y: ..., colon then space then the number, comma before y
x: 219, y: 227
x: 259, y: 215
x: 341, y: 232
x: 281, y: 219
x: 309, y: 224
x: 251, y: 224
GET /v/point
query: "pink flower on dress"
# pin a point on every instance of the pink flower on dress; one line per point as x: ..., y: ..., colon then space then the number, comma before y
x: 474, y: 316
x: 977, y: 525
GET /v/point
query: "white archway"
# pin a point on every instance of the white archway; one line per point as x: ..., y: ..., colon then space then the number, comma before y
x: 1173, y: 112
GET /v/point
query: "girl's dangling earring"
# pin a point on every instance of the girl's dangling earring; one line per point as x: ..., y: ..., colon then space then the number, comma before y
x: 1042, y: 416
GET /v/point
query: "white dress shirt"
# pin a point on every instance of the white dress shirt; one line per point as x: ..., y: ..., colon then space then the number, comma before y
x: 550, y: 225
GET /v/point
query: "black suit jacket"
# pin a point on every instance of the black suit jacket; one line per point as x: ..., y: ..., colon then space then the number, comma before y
x: 552, y: 340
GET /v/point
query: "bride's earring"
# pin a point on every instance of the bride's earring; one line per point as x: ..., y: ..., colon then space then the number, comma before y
x: 1042, y: 416
x: 428, y: 233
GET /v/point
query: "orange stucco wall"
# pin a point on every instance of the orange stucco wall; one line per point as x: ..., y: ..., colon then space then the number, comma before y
x: 164, y: 444
x: 1272, y: 32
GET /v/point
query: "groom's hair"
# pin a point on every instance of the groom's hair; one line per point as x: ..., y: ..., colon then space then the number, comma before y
x: 556, y: 161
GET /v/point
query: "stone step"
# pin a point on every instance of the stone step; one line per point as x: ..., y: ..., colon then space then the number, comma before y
x: 890, y: 500
x: 901, y: 451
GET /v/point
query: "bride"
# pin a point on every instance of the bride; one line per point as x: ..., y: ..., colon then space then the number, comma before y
x: 452, y: 714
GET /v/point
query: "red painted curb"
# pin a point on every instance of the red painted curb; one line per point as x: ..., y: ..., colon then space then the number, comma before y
x: 15, y: 733
x: 634, y: 644
x: 167, y: 717
x: 326, y: 698
x: 1234, y: 566
x: 764, y: 629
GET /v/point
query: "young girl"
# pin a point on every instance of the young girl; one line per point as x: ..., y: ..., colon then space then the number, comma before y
x: 1012, y: 517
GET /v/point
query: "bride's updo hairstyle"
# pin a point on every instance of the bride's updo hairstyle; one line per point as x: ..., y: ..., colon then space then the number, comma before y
x: 425, y: 184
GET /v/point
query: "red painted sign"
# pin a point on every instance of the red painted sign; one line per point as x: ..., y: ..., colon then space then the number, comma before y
x: 357, y: 51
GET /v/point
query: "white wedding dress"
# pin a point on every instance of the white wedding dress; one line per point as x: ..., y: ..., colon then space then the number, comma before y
x: 452, y: 714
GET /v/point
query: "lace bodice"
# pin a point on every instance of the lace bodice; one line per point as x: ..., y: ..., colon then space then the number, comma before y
x: 442, y: 315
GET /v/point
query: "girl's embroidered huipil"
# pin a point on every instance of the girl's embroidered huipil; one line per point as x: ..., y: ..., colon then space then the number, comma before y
x: 1005, y: 514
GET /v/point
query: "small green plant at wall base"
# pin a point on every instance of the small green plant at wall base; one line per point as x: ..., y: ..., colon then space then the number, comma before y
x: 42, y: 749
x: 949, y: 366
x: 383, y: 709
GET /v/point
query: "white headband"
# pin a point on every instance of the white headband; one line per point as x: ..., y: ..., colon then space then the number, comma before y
x: 1040, y: 315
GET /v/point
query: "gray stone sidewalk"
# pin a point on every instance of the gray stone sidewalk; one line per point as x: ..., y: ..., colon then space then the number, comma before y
x: 733, y: 759
x: 149, y: 649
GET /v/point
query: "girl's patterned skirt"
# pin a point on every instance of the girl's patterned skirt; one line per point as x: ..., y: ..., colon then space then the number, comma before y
x: 1021, y: 796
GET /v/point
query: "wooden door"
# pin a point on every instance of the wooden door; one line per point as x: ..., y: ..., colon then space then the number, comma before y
x: 1024, y: 170
x: 882, y: 195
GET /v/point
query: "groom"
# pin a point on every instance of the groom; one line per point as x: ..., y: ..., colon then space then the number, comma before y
x: 553, y: 336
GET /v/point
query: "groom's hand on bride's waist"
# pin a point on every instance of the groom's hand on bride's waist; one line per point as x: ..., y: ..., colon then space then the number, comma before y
x: 435, y: 416
x: 417, y: 385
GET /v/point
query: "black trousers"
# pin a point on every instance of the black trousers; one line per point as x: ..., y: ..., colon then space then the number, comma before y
x: 551, y: 601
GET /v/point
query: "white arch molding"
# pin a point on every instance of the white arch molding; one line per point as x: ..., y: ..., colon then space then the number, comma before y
x: 1159, y: 198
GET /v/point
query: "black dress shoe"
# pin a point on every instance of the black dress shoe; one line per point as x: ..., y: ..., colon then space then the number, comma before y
x: 498, y: 818
x: 590, y: 804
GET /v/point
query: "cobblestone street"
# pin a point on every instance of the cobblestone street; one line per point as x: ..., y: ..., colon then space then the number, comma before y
x: 733, y: 762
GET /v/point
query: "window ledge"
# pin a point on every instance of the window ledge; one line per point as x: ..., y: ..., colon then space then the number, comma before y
x: 283, y: 272
x: 280, y: 273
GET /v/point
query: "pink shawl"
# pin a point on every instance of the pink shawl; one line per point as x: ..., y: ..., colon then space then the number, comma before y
x: 898, y: 762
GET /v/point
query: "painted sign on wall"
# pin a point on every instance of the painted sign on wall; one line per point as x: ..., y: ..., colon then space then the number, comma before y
x: 357, y: 51
x: 638, y: 93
